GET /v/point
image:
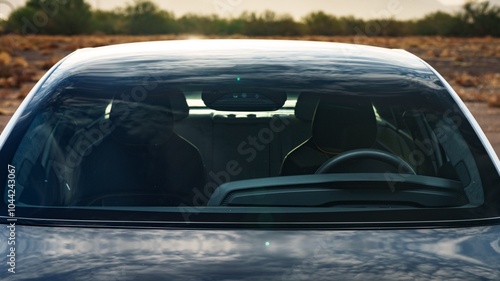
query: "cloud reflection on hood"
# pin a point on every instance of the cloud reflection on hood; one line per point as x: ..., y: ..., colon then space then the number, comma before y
x: 118, y: 254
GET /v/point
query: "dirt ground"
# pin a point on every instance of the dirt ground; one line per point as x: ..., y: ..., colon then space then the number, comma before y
x: 470, y: 65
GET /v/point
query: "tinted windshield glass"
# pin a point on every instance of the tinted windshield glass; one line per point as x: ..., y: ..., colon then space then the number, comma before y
x: 252, y: 138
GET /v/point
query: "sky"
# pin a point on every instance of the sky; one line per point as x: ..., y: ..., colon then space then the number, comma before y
x: 182, y: 6
x: 451, y: 2
x: 297, y: 8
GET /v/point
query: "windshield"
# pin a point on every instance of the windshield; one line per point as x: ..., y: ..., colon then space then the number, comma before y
x: 249, y: 143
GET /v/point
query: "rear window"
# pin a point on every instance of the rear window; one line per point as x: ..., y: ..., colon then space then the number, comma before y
x: 197, y: 150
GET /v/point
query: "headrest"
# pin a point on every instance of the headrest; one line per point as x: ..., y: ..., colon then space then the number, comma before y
x: 144, y: 121
x: 179, y: 105
x: 343, y: 123
x: 306, y: 105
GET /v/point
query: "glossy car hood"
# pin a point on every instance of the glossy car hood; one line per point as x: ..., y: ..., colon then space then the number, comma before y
x: 62, y: 253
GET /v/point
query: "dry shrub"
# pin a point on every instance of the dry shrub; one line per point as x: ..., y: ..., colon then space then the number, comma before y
x: 492, y: 79
x: 10, y: 82
x: 446, y: 53
x: 14, y: 71
x: 49, y: 46
x: 48, y: 63
x: 8, y: 106
x: 46, y: 52
x: 24, y: 77
x: 494, y: 101
x: 5, y: 59
x: 25, y: 89
x: 4, y: 93
x: 19, y: 62
x: 5, y: 67
x: 26, y: 46
x: 465, y: 80
x: 70, y: 47
x: 4, y: 83
x: 429, y: 54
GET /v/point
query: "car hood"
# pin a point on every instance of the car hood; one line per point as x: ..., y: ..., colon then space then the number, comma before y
x: 70, y: 253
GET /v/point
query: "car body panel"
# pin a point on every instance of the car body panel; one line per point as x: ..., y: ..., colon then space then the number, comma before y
x: 68, y: 253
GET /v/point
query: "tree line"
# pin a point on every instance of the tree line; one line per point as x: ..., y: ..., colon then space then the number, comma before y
x: 143, y: 17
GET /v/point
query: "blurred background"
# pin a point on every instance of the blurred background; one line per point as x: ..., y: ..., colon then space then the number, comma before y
x: 461, y: 39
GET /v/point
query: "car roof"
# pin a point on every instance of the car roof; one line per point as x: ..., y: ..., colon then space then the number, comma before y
x: 348, y: 68
x: 278, y: 51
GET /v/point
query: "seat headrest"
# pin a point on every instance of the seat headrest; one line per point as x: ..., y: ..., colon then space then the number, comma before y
x: 180, y: 108
x: 306, y: 106
x: 343, y: 123
x: 147, y: 120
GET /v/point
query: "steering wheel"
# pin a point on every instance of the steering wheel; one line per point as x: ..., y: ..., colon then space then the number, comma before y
x: 359, y: 154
